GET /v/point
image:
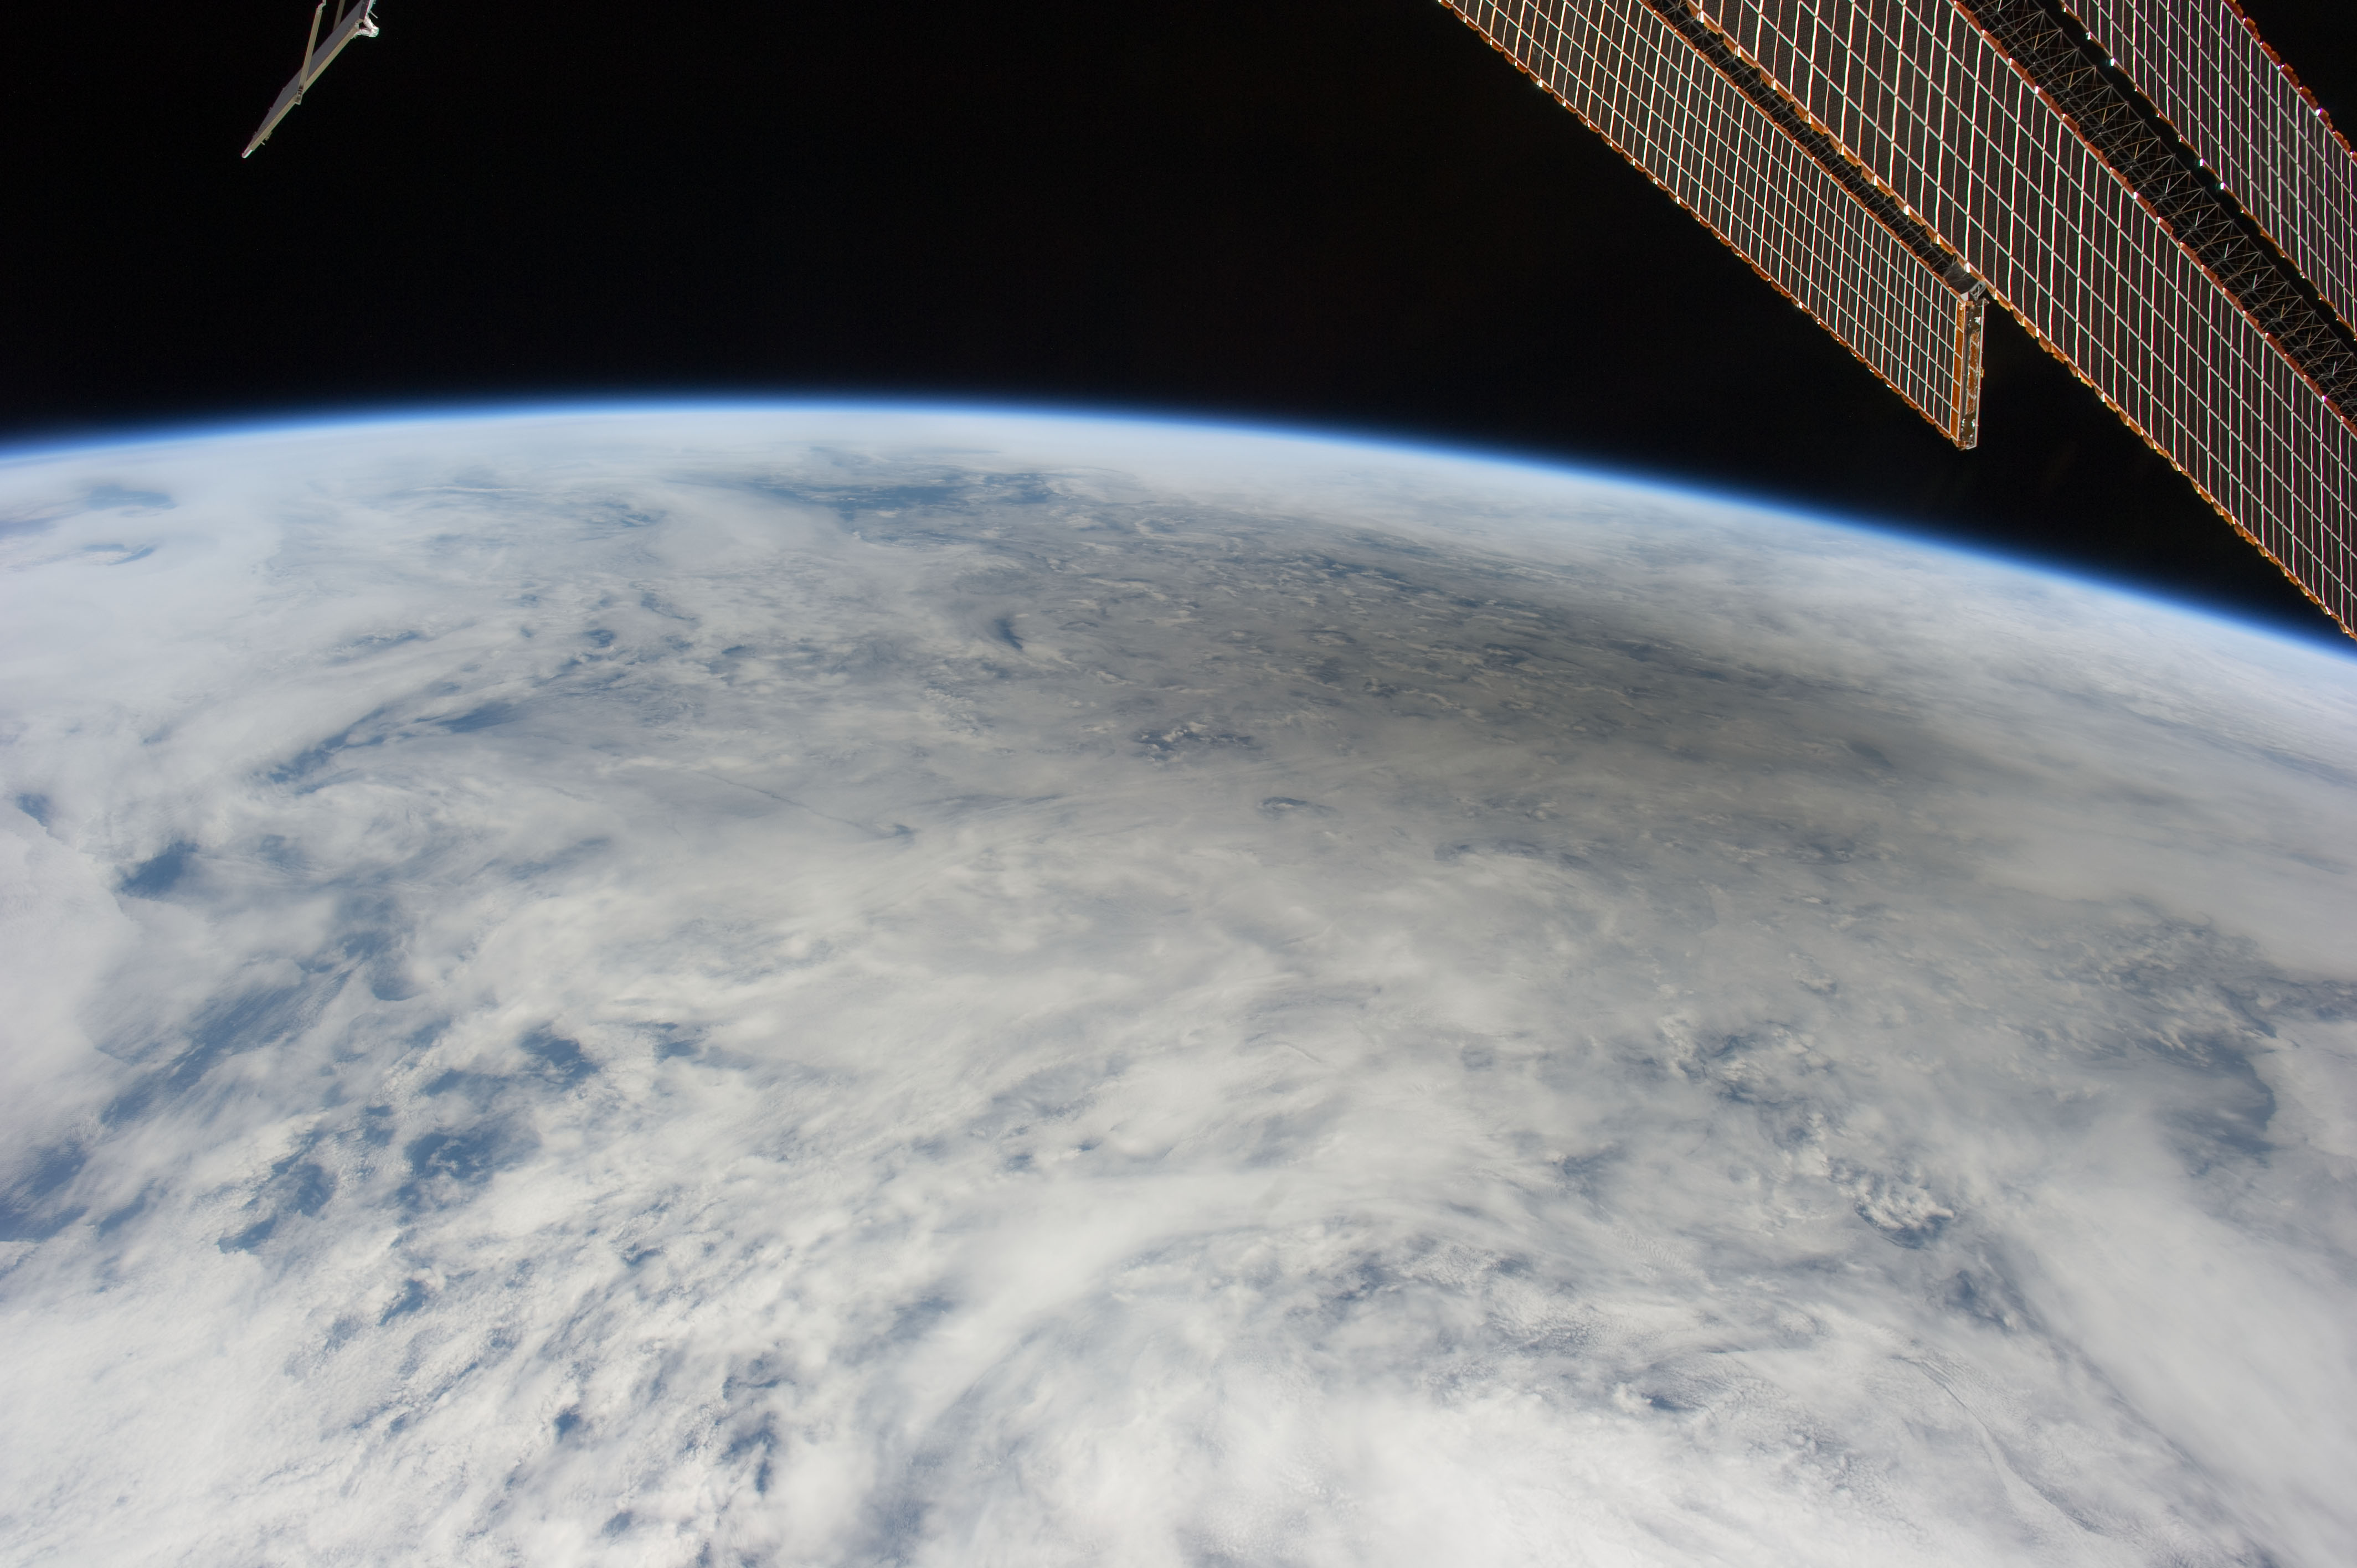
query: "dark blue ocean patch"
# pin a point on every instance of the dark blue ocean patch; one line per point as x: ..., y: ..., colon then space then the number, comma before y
x: 132, y: 1104
x: 376, y: 1125
x: 2224, y: 1110
x: 23, y: 1203
x: 559, y: 1060
x: 899, y: 1520
x: 915, y: 1319
x: 568, y: 1421
x: 253, y: 1236
x: 362, y: 943
x: 563, y: 860
x: 374, y: 936
x: 759, y: 1445
x: 413, y: 1296
x: 362, y: 647
x: 309, y: 760
x: 295, y: 1185
x: 2234, y: 1125
x: 36, y: 807
x: 618, y: 1525
x: 117, y: 498
x: 444, y: 1165
x: 755, y: 1372
x: 1369, y: 1278
x: 482, y: 718
x: 1586, y: 1173
x: 155, y: 877
x: 248, y: 1020
x: 312, y: 759
x: 1988, y: 1298
x: 304, y: 1186
x: 1191, y: 737
x: 225, y: 1026
x: 108, y: 1224
x: 953, y: 492
x: 278, y: 850
x: 469, y: 1156
x: 35, y: 519
x: 599, y: 637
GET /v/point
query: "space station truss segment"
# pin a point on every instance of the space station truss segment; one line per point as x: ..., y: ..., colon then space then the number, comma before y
x: 2206, y: 69
x: 1739, y: 157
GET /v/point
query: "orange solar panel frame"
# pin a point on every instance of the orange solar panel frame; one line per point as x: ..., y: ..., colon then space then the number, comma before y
x: 1930, y: 110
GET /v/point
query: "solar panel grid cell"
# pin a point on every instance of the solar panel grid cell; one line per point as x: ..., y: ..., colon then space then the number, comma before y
x: 1623, y: 70
x: 2143, y: 151
x: 2207, y: 69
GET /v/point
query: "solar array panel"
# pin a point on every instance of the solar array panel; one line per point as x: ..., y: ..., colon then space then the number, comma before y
x: 1917, y: 93
x: 1624, y: 70
x: 2205, y: 68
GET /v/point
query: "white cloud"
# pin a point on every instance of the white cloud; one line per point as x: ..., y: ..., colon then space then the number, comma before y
x: 845, y: 987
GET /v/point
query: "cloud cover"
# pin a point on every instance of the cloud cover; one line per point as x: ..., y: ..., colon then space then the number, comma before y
x: 816, y: 986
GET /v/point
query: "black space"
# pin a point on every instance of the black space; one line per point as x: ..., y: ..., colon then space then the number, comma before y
x: 1344, y: 213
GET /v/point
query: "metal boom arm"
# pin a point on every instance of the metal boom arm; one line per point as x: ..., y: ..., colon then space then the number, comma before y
x: 352, y: 21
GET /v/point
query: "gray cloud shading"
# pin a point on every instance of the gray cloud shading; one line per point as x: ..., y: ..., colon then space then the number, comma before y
x: 820, y: 987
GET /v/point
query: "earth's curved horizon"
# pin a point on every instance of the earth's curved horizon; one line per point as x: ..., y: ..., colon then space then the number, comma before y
x: 754, y: 984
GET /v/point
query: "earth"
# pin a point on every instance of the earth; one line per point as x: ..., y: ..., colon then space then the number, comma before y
x: 846, y: 985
